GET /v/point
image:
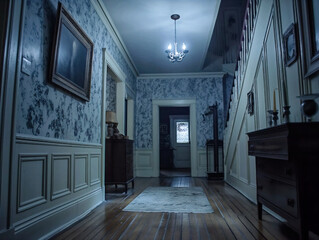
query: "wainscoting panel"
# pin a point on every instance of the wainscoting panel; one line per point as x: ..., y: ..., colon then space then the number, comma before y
x: 32, y: 187
x: 61, y: 175
x: 80, y: 172
x: 202, y: 162
x: 95, y: 170
x: 53, y: 178
x: 143, y: 163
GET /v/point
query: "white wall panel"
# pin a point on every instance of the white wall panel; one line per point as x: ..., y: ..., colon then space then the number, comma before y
x: 53, y: 178
x: 95, y: 177
x: 61, y: 175
x: 32, y: 187
x: 80, y: 172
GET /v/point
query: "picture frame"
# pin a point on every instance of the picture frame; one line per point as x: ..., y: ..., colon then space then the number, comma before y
x: 310, y: 29
x: 72, y: 54
x: 290, y: 45
x: 250, y: 103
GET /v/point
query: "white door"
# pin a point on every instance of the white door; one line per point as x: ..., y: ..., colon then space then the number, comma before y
x: 180, y: 141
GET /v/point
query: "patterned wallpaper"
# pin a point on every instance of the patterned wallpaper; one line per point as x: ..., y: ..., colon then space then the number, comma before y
x: 45, y: 110
x: 206, y: 91
x: 110, y: 94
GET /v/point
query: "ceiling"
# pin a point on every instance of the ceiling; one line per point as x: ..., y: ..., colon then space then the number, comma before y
x: 146, y: 29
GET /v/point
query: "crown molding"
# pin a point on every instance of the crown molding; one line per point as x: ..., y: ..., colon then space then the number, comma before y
x: 106, y: 19
x: 181, y: 75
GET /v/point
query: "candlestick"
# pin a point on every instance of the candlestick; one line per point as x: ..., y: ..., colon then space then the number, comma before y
x: 275, y: 117
x: 274, y: 101
x: 285, y: 93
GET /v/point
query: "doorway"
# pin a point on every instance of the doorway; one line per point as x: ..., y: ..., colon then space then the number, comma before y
x: 174, y: 132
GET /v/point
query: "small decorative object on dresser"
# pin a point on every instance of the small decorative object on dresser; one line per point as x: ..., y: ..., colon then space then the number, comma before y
x: 110, y: 119
x: 309, y: 107
x: 119, y: 162
x: 287, y: 169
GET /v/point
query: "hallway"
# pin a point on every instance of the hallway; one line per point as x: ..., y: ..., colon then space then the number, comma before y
x: 234, y: 217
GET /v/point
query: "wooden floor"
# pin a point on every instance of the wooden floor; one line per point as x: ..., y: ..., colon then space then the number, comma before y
x: 234, y: 217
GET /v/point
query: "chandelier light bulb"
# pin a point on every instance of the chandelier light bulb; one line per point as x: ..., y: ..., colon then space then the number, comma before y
x: 169, y: 47
x: 184, y: 46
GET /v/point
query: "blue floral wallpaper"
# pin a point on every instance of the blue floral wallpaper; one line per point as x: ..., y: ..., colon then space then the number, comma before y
x: 110, y: 93
x: 207, y: 91
x: 44, y: 109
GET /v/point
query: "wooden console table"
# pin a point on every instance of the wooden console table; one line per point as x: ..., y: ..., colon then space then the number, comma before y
x: 119, y: 162
x: 287, y: 170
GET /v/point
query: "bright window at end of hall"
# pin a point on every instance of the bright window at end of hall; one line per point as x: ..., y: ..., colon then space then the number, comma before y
x: 182, y: 132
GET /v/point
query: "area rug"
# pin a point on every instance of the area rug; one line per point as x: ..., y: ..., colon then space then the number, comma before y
x: 171, y: 199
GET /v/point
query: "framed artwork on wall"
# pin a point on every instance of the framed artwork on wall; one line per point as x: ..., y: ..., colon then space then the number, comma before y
x: 290, y: 46
x: 250, y: 102
x: 72, y: 54
x: 310, y: 24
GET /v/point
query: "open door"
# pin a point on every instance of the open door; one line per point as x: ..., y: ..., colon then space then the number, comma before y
x: 180, y: 140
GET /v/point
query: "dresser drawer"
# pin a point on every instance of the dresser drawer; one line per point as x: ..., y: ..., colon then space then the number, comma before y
x: 266, y: 147
x: 279, y: 193
x: 284, y: 170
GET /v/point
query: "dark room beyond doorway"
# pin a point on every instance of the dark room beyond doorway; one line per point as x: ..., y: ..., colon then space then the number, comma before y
x: 174, y: 141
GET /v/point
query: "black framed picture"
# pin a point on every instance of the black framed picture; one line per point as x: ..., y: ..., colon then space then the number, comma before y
x: 290, y: 46
x: 250, y: 102
x: 310, y: 32
x: 72, y: 54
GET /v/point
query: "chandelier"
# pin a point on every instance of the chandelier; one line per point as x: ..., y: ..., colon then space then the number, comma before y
x: 173, y: 54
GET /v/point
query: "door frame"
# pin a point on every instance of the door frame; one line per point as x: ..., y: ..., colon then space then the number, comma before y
x: 191, y: 103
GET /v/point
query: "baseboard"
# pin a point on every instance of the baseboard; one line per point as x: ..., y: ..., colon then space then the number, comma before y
x: 58, y: 219
x: 249, y: 191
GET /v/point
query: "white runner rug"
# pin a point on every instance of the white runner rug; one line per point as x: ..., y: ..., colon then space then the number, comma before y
x: 171, y: 199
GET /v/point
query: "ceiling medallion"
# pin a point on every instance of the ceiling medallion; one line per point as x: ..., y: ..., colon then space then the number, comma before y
x: 173, y: 54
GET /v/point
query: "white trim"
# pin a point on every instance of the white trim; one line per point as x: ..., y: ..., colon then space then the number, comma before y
x: 181, y: 75
x: 120, y: 77
x: 38, y: 219
x: 106, y: 19
x: 78, y: 218
x: 120, y: 105
x: 116, y: 69
x: 103, y: 107
x: 10, y: 67
x: 37, y: 140
x: 191, y: 103
x: 130, y: 118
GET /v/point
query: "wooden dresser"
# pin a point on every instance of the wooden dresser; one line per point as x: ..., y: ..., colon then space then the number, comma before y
x: 119, y: 162
x: 287, y: 162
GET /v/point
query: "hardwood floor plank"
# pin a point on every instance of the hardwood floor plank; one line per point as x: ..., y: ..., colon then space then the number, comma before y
x: 234, y: 217
x: 162, y: 227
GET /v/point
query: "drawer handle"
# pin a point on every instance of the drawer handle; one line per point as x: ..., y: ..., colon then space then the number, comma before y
x: 288, y: 171
x: 252, y: 147
x: 260, y: 187
x: 290, y: 202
